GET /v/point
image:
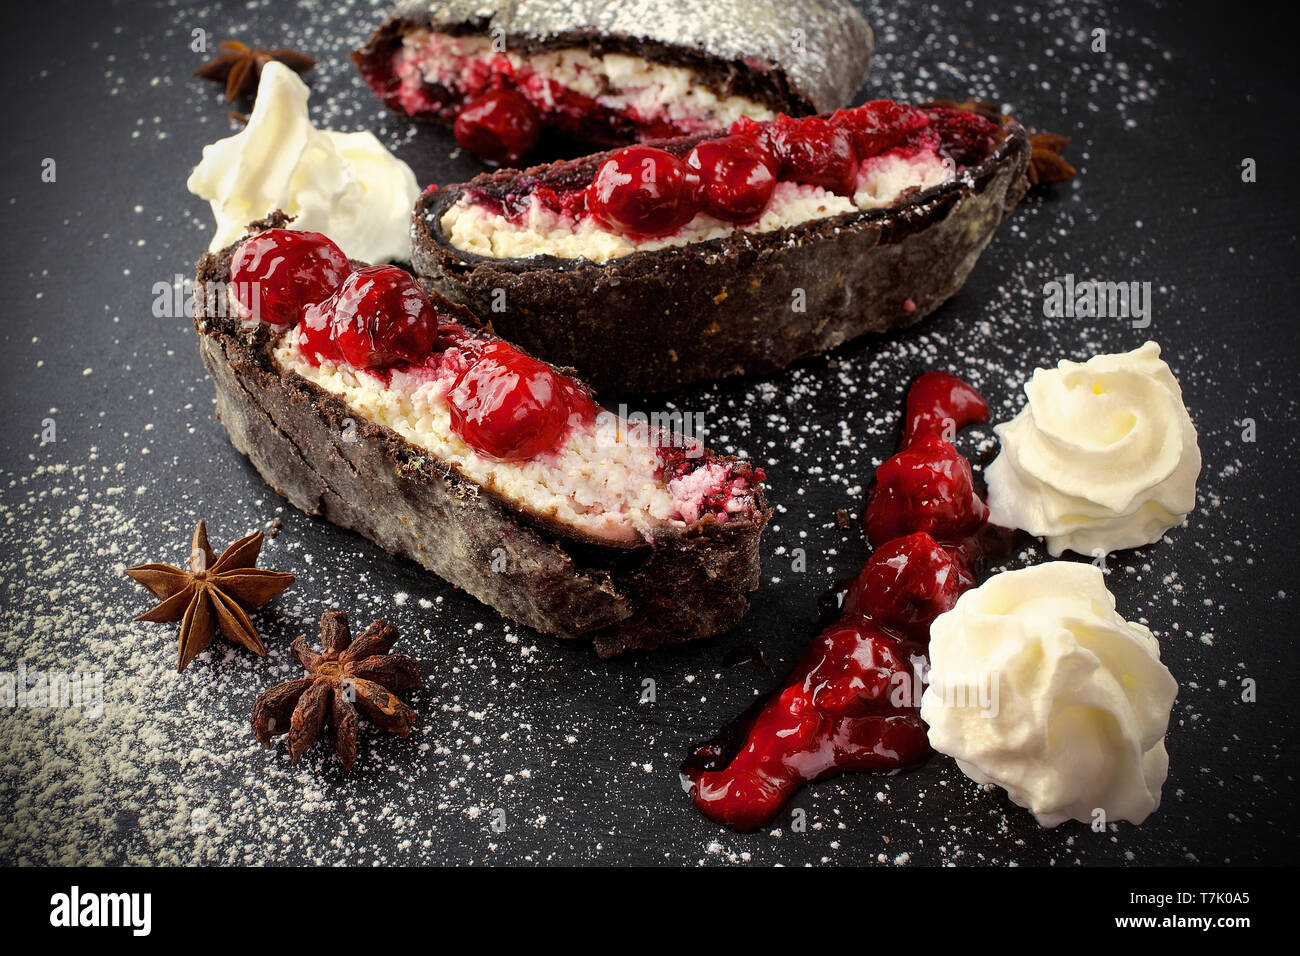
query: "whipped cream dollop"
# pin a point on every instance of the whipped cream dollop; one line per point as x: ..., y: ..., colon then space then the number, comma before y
x: 346, y: 185
x: 1102, y: 457
x: 1038, y: 686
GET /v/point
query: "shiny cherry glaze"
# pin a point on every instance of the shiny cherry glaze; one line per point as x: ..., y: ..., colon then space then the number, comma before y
x: 500, y: 127
x: 853, y: 700
x: 966, y: 138
x: 316, y: 333
x: 509, y: 406
x: 502, y: 403
x: 881, y: 125
x: 378, y: 318
x: 926, y: 487
x: 907, y: 583
x: 824, y: 151
x: 586, y: 117
x: 276, y: 273
x: 737, y: 177
x: 835, y: 713
x: 939, y: 404
x: 644, y: 191
x: 815, y: 152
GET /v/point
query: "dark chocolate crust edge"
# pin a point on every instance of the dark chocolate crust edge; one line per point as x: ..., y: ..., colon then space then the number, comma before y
x: 361, y: 476
x: 660, y: 319
x: 766, y: 82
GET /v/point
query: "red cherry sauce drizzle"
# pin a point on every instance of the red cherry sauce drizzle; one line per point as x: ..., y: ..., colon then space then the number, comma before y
x: 852, y: 702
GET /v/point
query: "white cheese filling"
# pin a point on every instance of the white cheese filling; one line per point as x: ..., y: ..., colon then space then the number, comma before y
x: 601, y: 480
x: 654, y: 92
x: 474, y: 228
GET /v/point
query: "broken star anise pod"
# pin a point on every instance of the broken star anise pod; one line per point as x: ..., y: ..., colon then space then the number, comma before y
x: 240, y: 66
x: 212, y: 591
x: 343, y: 677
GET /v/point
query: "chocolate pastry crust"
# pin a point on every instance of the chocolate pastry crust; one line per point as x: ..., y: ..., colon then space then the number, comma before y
x: 659, y: 319
x: 794, y: 56
x: 686, y: 584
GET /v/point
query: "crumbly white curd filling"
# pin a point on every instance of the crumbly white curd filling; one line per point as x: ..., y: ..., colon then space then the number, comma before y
x: 1102, y: 457
x: 654, y: 92
x: 472, y: 227
x: 1038, y: 686
x: 601, y: 480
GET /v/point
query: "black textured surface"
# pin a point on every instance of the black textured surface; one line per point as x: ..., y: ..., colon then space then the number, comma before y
x: 543, y: 731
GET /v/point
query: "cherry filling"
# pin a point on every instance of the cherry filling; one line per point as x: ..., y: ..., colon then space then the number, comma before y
x: 647, y: 192
x: 379, y: 318
x: 882, y: 125
x: 503, y: 403
x: 275, y: 273
x: 500, y: 127
x: 737, y: 177
x: 815, y: 152
x: 853, y: 700
x: 553, y: 103
x: 643, y: 191
x: 510, y: 406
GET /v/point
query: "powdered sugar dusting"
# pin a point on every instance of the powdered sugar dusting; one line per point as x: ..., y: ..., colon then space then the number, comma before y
x: 529, y: 749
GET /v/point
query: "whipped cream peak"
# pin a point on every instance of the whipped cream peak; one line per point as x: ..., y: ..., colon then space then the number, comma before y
x: 1103, y: 456
x: 1081, y: 700
x: 346, y: 185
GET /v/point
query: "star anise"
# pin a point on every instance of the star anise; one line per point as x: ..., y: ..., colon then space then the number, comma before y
x: 212, y: 591
x: 240, y: 66
x: 343, y: 677
x: 1046, y: 164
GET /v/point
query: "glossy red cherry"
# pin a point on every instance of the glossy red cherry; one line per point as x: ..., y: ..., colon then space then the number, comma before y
x: 643, y: 191
x: 381, y: 318
x: 814, y: 152
x: 858, y: 666
x: 582, y: 407
x: 927, y: 487
x: 758, y: 133
x: 509, y: 406
x: 316, y: 333
x: 966, y: 138
x: 850, y: 704
x: 880, y: 126
x: 275, y: 273
x: 737, y: 177
x: 500, y: 127
x: 453, y: 334
x: 907, y: 584
x: 939, y: 404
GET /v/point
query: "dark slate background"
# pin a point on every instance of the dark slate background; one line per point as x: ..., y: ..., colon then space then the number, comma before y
x: 584, y: 772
